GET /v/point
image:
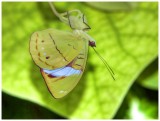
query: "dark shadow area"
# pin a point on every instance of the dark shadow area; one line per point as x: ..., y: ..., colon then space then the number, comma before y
x: 15, y: 108
x: 150, y: 70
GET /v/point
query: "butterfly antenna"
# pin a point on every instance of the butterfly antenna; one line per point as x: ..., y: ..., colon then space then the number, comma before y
x: 53, y: 9
x: 105, y: 63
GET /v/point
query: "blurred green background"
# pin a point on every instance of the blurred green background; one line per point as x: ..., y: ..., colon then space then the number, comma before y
x: 126, y: 35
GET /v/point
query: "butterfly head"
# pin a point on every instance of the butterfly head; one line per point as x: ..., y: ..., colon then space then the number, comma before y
x: 92, y: 43
x: 76, y: 20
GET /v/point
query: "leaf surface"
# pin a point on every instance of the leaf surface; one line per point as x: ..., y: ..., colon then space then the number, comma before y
x: 127, y: 40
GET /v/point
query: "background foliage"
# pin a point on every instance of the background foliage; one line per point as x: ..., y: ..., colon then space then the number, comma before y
x: 126, y: 37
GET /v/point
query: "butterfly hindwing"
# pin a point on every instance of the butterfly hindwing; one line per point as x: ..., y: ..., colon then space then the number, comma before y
x: 62, y: 80
x: 51, y: 48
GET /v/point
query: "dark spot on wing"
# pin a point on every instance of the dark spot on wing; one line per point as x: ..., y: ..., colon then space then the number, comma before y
x: 42, y: 41
x: 47, y: 57
x: 51, y: 76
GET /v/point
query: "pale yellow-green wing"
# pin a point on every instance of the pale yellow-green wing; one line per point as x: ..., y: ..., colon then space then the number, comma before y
x: 53, y: 48
x: 62, y: 85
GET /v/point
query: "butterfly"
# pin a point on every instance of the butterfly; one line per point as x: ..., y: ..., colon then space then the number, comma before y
x: 62, y: 55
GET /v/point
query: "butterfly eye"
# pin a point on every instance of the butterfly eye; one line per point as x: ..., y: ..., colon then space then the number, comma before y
x: 42, y: 41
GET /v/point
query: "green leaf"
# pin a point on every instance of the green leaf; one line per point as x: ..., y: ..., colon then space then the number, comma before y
x: 127, y: 40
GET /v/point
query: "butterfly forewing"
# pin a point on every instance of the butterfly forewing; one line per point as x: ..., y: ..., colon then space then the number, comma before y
x: 53, y: 48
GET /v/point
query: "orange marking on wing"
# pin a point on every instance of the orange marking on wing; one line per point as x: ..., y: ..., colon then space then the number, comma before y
x: 36, y: 47
x: 47, y: 63
x: 39, y: 53
x: 59, y: 78
x: 36, y: 42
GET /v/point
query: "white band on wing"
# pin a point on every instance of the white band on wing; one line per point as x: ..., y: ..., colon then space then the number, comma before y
x: 64, y: 71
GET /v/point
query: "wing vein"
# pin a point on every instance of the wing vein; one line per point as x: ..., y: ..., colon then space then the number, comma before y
x: 57, y: 47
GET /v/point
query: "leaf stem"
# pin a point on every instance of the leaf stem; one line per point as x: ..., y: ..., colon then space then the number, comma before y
x: 54, y: 9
